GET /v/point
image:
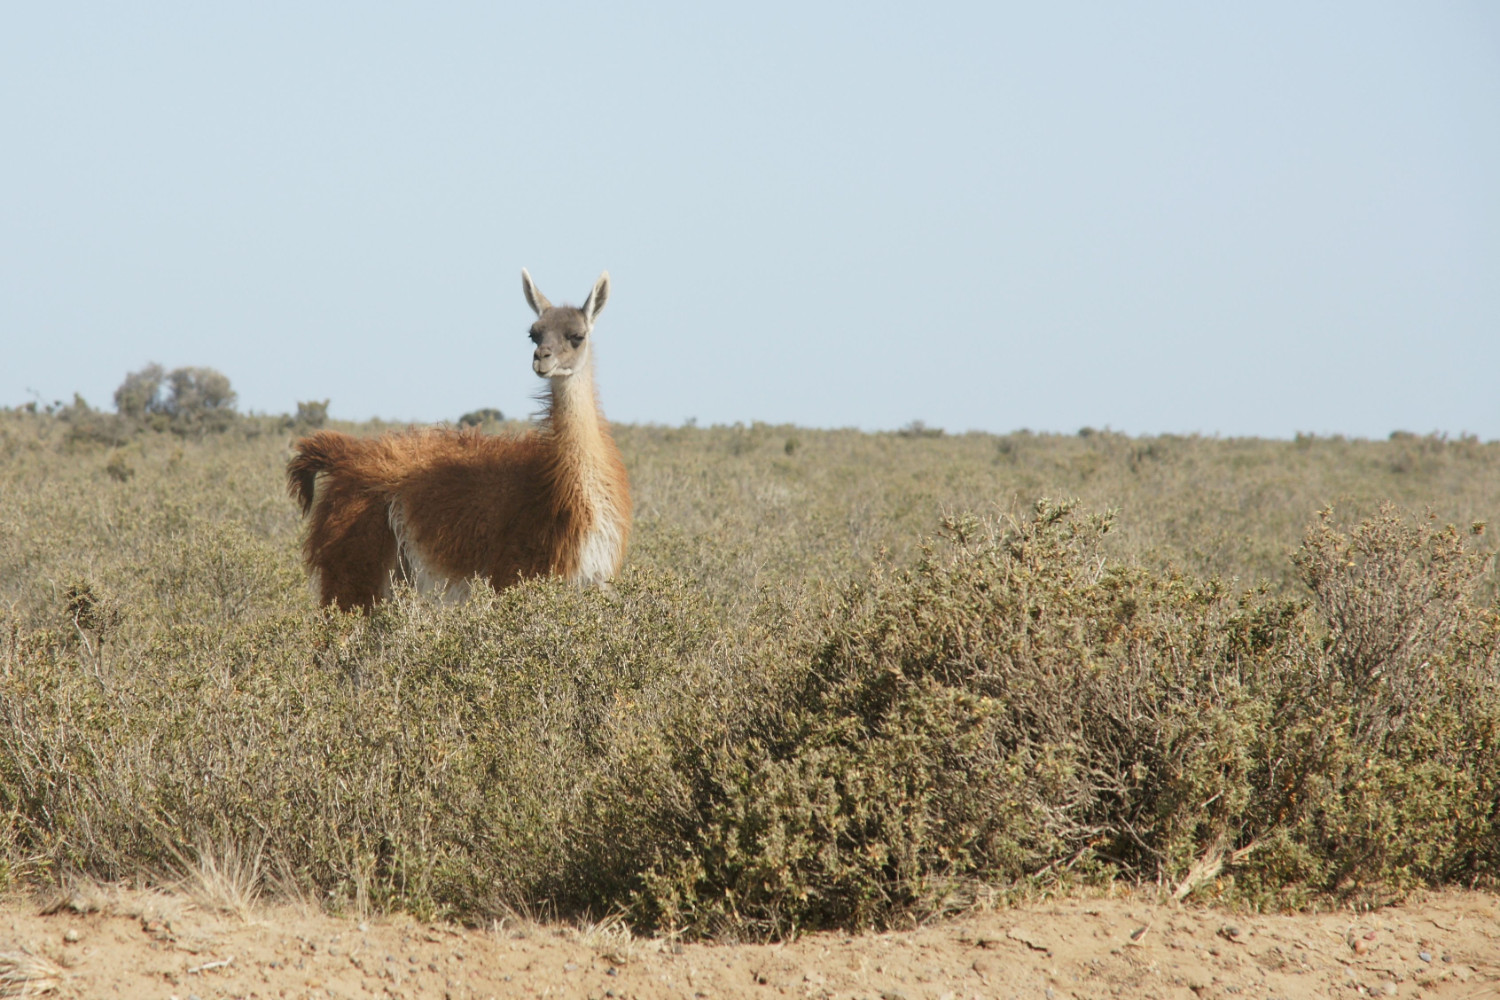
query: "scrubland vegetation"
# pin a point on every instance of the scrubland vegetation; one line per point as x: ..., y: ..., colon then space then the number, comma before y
x: 847, y: 679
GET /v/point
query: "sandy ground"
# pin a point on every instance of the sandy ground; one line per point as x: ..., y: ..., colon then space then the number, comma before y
x: 117, y: 943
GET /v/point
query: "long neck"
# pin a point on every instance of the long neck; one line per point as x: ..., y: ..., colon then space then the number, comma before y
x: 589, y: 491
x: 578, y: 431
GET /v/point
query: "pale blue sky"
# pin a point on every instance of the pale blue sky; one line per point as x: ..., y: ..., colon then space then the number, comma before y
x: 1247, y: 219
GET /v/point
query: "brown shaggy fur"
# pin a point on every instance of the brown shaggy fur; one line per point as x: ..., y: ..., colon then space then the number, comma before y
x: 451, y: 505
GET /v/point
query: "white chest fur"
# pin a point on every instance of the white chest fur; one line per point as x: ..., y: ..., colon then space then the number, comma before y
x: 600, y: 553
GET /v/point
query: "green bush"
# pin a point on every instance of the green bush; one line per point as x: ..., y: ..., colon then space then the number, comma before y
x: 481, y: 417
x: 184, y: 400
x: 140, y: 394
x: 87, y: 426
x: 311, y: 414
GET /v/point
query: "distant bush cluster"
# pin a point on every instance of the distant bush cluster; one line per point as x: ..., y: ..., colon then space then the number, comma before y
x: 184, y: 401
x: 311, y: 414
x: 190, y: 401
x: 184, y: 398
x: 479, y: 418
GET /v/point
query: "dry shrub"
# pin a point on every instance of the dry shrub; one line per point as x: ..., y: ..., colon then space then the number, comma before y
x: 87, y: 426
x: 1012, y: 709
x: 1011, y: 706
x: 1397, y: 721
x: 427, y: 758
x: 1015, y: 708
x: 730, y: 747
x: 1396, y: 596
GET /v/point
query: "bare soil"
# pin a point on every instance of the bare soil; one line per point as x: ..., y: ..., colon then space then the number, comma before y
x: 117, y: 943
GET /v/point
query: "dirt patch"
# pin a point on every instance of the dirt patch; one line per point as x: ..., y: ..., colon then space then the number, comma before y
x: 112, y: 943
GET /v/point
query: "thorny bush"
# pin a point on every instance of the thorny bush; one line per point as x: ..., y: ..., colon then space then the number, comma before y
x: 1015, y: 708
x: 1018, y: 702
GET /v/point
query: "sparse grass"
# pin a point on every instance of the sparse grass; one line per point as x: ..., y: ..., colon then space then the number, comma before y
x: 24, y: 973
x: 224, y: 878
x: 801, y: 709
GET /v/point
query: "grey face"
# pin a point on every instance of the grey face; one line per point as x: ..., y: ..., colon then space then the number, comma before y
x: 561, y: 333
x: 561, y: 336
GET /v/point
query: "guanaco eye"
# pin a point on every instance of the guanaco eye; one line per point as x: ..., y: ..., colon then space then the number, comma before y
x: 536, y: 336
x: 575, y: 339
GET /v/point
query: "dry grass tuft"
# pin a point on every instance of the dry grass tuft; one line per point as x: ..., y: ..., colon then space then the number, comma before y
x: 24, y: 973
x: 224, y: 879
x: 611, y: 938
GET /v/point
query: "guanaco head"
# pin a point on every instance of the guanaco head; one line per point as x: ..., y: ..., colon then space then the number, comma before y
x: 561, y: 333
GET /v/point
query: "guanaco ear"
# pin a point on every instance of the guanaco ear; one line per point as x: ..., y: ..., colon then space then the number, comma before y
x: 597, y: 298
x: 534, y: 298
